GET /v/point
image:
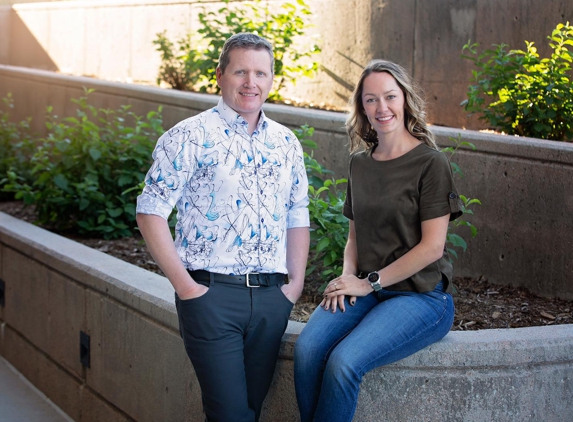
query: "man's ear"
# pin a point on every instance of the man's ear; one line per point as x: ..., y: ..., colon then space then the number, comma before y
x: 218, y: 74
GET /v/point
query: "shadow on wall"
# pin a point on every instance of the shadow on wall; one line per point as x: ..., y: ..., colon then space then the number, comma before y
x: 347, y: 86
x: 27, y: 51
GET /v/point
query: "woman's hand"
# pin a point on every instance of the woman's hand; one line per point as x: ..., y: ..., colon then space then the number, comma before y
x: 345, y: 285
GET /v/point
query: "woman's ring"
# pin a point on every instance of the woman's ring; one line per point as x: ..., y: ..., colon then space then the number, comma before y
x: 335, y: 288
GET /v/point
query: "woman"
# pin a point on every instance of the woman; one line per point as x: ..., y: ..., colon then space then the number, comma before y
x: 393, y: 297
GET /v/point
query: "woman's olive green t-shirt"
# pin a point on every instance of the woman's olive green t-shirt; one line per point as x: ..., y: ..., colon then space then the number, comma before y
x: 388, y: 200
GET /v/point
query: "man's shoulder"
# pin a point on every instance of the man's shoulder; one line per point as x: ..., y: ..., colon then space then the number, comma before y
x: 210, y: 115
x: 275, y: 127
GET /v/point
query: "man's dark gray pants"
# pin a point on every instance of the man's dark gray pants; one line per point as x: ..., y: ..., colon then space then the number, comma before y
x: 232, y: 334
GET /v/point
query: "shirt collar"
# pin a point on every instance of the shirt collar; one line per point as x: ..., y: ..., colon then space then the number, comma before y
x: 232, y: 118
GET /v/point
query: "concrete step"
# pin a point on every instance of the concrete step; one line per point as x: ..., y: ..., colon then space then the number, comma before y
x: 20, y: 401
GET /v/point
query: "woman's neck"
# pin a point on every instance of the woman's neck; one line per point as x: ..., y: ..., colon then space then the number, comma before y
x: 390, y: 147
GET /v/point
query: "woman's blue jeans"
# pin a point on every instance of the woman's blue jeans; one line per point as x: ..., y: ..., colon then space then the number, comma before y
x: 335, y: 350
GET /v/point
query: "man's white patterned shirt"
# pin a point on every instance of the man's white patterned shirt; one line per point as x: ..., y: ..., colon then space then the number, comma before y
x: 236, y: 194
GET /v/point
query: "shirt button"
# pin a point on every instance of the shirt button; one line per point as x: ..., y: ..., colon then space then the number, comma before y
x: 452, y: 195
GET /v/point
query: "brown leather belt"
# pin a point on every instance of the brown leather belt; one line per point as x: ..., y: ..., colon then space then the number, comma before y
x: 249, y: 280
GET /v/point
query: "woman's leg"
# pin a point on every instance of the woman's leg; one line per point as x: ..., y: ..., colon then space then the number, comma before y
x: 401, y: 325
x: 322, y: 333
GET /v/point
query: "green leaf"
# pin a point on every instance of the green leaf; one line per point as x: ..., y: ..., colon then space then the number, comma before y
x: 116, y: 212
x: 95, y: 154
x: 322, y: 244
x: 61, y: 182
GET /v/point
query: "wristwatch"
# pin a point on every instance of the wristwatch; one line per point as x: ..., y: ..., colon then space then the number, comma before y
x: 374, y: 280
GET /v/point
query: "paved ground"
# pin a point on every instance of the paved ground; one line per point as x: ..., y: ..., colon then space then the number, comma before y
x: 20, y: 401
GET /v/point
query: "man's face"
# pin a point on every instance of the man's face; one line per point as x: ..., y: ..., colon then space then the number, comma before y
x: 247, y: 81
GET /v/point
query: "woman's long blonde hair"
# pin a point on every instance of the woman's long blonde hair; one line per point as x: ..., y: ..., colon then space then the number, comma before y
x: 358, y: 127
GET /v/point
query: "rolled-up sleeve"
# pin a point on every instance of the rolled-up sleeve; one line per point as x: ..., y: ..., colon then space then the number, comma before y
x: 167, y: 177
x: 298, y: 215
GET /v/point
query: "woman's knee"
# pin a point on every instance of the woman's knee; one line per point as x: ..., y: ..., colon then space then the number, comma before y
x: 307, y: 348
x: 342, y: 366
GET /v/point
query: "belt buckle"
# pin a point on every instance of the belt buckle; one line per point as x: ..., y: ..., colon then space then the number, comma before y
x: 248, y: 283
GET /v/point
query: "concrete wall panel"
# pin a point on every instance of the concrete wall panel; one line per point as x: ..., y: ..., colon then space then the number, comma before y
x: 5, y: 24
x: 343, y: 28
x: 146, y: 24
x: 526, y: 199
x: 66, y: 25
x: 46, y: 307
x: 394, y: 31
x: 30, y: 40
x: 108, y: 32
x: 137, y: 365
x: 26, y: 304
x: 442, y: 28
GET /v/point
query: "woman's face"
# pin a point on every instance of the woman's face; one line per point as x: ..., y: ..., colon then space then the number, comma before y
x: 383, y: 102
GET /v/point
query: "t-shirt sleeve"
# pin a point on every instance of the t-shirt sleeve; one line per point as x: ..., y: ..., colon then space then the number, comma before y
x: 438, y: 193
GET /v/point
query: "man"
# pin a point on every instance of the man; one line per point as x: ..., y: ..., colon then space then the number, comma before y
x: 239, y: 184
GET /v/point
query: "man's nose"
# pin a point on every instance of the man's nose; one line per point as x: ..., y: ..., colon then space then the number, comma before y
x: 249, y: 80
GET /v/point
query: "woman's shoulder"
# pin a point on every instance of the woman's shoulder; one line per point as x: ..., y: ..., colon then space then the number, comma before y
x: 428, y: 153
x: 360, y: 155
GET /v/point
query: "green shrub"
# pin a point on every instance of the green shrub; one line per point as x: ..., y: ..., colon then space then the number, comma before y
x: 84, y: 171
x: 329, y: 228
x: 520, y: 93
x: 16, y: 147
x: 190, y: 65
x: 454, y: 240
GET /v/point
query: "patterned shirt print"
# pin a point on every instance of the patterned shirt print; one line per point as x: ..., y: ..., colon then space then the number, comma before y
x: 236, y: 194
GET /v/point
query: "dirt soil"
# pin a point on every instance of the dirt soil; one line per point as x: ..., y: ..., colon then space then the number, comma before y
x: 479, y: 304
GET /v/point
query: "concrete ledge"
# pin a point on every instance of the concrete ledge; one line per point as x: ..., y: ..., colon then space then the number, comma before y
x: 56, y: 287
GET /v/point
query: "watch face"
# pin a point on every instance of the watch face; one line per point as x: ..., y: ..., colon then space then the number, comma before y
x: 373, y: 277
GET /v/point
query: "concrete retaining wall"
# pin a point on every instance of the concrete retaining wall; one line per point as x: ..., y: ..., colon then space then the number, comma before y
x: 112, y: 39
x: 524, y: 226
x: 56, y: 288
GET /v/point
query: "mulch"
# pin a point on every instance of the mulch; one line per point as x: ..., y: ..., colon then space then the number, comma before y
x: 479, y: 304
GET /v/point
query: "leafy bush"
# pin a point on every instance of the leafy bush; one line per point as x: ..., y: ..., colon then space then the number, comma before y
x: 84, y: 171
x: 190, y: 65
x: 16, y: 146
x: 329, y: 228
x: 454, y: 240
x: 519, y: 93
